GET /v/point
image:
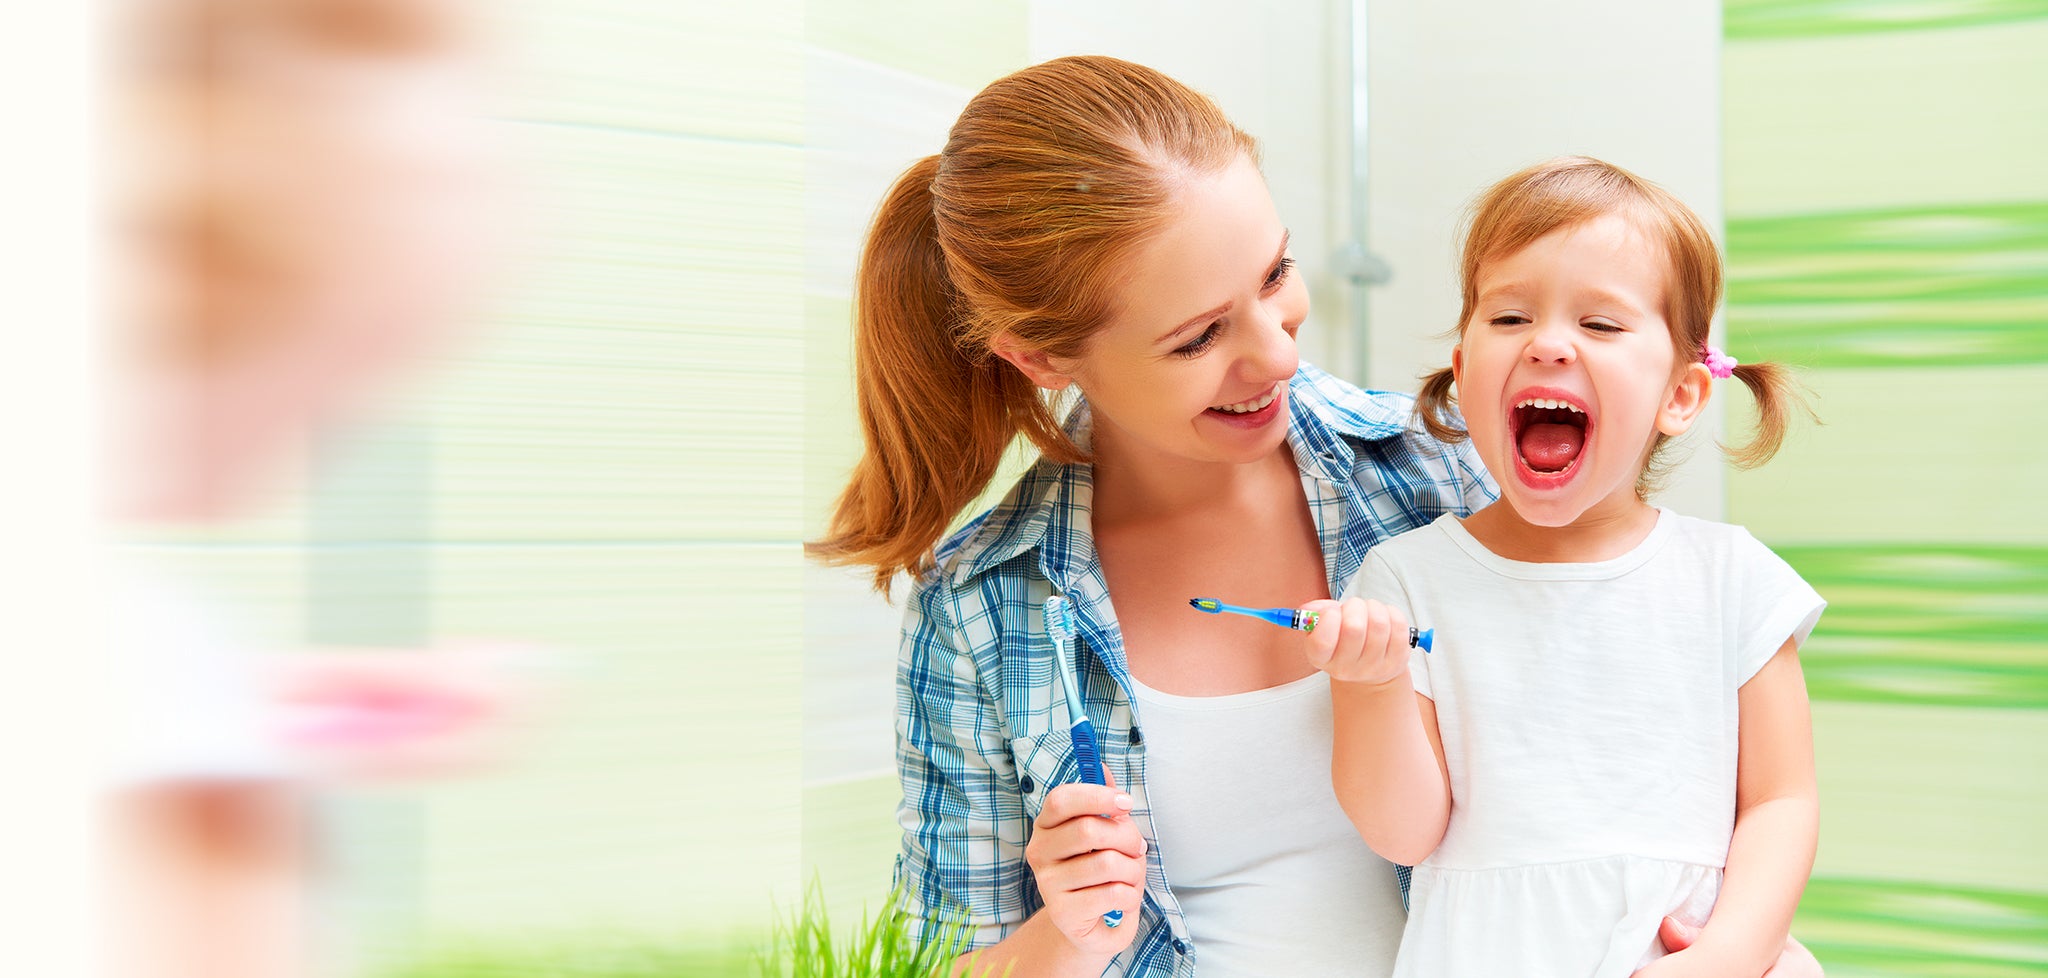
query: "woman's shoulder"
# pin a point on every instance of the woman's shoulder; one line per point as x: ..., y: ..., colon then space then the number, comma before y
x: 1036, y: 508
x: 1351, y: 409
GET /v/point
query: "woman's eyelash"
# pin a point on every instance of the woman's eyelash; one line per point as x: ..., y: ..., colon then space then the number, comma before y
x: 1279, y: 273
x: 1195, y: 346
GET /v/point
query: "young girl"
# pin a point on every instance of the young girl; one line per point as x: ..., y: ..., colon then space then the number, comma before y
x: 1573, y: 769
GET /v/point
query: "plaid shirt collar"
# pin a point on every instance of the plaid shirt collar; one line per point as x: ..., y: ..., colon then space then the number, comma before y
x: 1052, y: 499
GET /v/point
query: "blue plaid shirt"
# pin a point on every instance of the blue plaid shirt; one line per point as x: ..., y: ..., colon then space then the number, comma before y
x: 981, y: 727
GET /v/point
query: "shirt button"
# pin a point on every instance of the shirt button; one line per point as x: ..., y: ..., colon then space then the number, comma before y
x: 1137, y: 736
x: 1025, y: 785
x: 1180, y: 946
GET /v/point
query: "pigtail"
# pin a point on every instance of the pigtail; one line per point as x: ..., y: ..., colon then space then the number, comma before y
x: 1777, y: 394
x: 1436, y: 406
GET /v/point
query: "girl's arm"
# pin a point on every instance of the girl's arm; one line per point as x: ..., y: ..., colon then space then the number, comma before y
x: 1387, y: 762
x: 1388, y: 768
x: 1777, y: 825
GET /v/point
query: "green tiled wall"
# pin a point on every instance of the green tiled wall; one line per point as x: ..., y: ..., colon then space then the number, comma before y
x: 1888, y: 233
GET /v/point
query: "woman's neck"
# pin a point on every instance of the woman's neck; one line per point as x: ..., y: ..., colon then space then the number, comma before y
x: 1132, y: 490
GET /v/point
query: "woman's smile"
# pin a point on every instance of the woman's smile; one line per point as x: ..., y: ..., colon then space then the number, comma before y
x: 1255, y: 413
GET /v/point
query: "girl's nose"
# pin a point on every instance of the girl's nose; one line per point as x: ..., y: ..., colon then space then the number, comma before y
x: 1553, y: 343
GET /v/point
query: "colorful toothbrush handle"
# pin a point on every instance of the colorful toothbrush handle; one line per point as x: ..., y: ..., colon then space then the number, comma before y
x: 1297, y: 620
x: 1304, y: 621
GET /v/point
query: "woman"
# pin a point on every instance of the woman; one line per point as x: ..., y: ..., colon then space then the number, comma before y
x: 1095, y: 226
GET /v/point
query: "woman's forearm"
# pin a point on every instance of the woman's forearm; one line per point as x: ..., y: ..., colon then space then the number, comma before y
x: 1035, y: 950
x: 1386, y: 771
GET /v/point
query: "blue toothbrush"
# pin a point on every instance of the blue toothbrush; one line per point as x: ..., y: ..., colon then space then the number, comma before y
x: 1059, y: 626
x: 1301, y: 621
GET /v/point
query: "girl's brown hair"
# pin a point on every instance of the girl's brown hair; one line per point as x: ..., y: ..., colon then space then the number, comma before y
x: 1572, y: 190
x: 1050, y: 177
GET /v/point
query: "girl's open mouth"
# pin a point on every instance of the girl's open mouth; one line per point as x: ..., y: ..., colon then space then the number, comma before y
x: 1550, y: 435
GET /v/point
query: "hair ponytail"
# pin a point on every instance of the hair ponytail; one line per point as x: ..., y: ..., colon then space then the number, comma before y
x: 935, y: 415
x: 1776, y: 393
x: 1050, y: 177
x: 1435, y: 406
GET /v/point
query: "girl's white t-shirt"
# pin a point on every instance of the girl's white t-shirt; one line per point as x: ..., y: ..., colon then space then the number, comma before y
x: 1270, y: 874
x: 1589, y: 719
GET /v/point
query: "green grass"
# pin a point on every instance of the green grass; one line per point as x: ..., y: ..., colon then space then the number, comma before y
x: 801, y: 945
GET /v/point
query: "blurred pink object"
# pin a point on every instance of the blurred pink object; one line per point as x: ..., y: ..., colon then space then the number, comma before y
x: 397, y: 715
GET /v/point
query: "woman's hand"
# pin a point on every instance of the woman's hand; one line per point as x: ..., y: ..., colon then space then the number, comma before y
x: 1089, y: 859
x: 1359, y: 641
x: 1795, y: 961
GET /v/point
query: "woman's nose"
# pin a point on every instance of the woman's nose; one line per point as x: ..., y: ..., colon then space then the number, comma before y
x: 1273, y: 351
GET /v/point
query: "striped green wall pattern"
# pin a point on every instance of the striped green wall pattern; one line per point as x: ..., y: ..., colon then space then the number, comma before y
x: 1887, y: 234
x: 1901, y: 287
x: 1878, y: 927
x: 1753, y: 20
x: 1931, y: 625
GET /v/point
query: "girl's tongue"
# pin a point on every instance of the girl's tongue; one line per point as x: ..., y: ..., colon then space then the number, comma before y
x: 1550, y: 446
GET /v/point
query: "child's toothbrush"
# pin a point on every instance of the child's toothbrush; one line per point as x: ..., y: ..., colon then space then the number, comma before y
x: 1059, y: 626
x: 1301, y: 621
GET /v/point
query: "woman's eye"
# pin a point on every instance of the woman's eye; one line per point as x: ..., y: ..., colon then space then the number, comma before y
x: 1194, y: 347
x: 1279, y: 273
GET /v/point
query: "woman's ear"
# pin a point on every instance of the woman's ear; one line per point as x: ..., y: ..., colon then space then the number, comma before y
x: 1035, y: 364
x: 1688, y: 397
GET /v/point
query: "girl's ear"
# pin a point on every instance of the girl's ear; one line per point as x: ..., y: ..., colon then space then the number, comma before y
x: 1687, y: 398
x: 1458, y: 366
x: 1035, y: 364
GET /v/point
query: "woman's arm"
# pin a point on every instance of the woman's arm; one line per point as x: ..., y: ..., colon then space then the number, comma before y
x: 1386, y: 762
x: 968, y: 842
x: 1777, y: 826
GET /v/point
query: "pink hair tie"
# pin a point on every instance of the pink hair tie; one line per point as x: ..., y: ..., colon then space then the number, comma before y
x: 1719, y: 364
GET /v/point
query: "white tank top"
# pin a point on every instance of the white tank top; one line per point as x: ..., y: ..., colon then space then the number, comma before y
x: 1271, y: 875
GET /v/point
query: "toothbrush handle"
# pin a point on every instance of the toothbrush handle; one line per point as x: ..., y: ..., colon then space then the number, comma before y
x: 1283, y: 617
x: 1087, y: 754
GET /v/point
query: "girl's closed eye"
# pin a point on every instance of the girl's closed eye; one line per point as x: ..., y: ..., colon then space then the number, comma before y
x: 1509, y: 319
x: 1601, y: 326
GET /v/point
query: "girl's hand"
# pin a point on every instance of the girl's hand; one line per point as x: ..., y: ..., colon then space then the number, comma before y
x: 1359, y: 641
x: 1794, y: 961
x: 1087, y: 865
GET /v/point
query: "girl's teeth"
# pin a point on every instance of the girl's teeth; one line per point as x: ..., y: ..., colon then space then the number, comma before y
x: 1548, y: 404
x: 1247, y: 407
